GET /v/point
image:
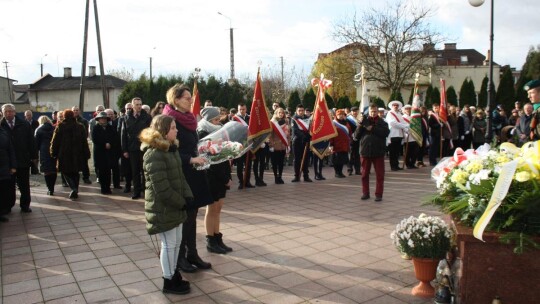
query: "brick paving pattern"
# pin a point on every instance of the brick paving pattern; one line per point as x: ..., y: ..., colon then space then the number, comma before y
x: 293, y: 243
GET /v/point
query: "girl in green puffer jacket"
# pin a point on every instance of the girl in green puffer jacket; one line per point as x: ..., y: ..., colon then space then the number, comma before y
x: 165, y: 197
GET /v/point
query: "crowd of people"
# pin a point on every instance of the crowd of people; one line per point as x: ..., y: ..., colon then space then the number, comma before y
x: 154, y: 151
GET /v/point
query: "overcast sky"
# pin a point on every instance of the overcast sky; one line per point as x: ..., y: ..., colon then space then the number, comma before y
x: 183, y: 34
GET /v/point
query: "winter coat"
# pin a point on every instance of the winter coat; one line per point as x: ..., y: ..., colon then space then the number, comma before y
x: 70, y: 146
x: 373, y: 142
x: 43, y: 135
x: 197, y: 180
x: 166, y: 189
x: 341, y: 143
x: 275, y: 142
x: 479, y: 130
x: 8, y: 160
x: 22, y: 138
x: 103, y: 157
x: 131, y: 128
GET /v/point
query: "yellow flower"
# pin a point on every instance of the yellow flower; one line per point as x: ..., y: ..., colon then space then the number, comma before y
x: 474, y: 166
x: 523, y: 176
x: 459, y: 176
x: 501, y: 159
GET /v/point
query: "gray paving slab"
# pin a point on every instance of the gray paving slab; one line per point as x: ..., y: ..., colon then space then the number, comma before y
x: 293, y: 243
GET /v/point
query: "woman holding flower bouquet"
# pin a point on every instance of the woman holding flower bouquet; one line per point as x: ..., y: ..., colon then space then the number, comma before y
x: 219, y: 180
x: 179, y: 107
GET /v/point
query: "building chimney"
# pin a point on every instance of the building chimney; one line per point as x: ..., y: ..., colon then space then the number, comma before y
x: 67, y: 72
x: 449, y: 46
x: 486, y: 61
x: 429, y: 46
x: 91, y: 71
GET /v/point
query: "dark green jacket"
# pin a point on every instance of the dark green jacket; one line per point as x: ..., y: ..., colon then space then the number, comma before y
x: 166, y: 187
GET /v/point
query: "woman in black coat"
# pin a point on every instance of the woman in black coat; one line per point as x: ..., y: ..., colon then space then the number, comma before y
x: 70, y: 147
x: 105, y: 150
x: 43, y: 135
x: 179, y: 106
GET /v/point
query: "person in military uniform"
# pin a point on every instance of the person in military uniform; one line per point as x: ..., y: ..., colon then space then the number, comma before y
x: 533, y: 92
x: 300, y: 138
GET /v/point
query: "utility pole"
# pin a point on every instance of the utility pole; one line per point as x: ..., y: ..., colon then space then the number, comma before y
x: 151, y: 70
x: 282, y: 80
x: 9, y: 82
x: 102, y: 76
x: 41, y: 64
x: 85, y: 47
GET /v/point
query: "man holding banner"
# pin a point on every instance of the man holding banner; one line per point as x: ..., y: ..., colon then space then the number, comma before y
x: 300, y: 139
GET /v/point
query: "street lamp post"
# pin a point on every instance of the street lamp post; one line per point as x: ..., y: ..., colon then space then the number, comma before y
x: 232, y: 45
x: 490, y: 95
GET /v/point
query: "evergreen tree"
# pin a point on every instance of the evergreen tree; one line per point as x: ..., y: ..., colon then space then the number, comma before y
x: 482, y: 95
x: 309, y: 99
x: 451, y: 96
x: 505, y: 91
x: 379, y: 102
x: 428, y: 98
x: 435, y: 96
x: 329, y: 101
x: 396, y: 95
x: 529, y: 71
x: 343, y: 102
x: 294, y: 100
x: 471, y: 93
x: 464, y: 97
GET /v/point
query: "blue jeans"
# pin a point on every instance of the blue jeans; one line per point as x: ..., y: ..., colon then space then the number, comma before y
x: 170, y: 246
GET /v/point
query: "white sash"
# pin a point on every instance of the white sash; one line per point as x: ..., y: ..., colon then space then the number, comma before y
x: 302, y: 124
x: 279, y: 131
x: 240, y: 120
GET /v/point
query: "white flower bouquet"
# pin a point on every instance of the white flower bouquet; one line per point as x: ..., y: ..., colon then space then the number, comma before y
x: 227, y: 143
x: 493, y: 189
x: 422, y: 237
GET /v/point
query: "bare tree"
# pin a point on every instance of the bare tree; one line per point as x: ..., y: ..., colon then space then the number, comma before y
x: 393, y: 42
x: 123, y: 73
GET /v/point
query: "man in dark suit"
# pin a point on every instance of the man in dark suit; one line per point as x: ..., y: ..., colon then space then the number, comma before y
x: 132, y: 126
x: 26, y: 152
x: 29, y: 117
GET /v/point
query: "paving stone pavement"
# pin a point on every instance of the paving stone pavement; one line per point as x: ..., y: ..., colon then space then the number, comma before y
x: 293, y: 243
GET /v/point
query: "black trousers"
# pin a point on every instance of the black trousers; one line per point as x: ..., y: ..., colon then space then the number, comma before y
x: 317, y: 165
x: 85, y: 170
x: 240, y: 164
x: 298, y: 150
x: 23, y: 182
x: 7, y: 195
x: 354, y: 161
x: 115, y: 167
x: 259, y: 163
x: 125, y: 169
x: 278, y: 160
x: 104, y: 171
x: 411, y: 154
x: 72, y: 179
x: 189, y: 234
x: 395, y: 149
x: 434, y: 149
x: 136, y: 161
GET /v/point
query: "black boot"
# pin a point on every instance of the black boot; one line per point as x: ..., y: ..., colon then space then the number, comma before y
x: 184, y: 265
x: 213, y: 246
x: 276, y: 179
x: 219, y: 239
x: 195, y: 259
x: 50, y: 180
x: 176, y: 285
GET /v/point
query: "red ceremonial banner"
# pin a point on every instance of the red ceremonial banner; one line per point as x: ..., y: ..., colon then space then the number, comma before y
x: 322, y: 127
x: 443, y: 111
x: 259, y: 122
x: 196, y: 104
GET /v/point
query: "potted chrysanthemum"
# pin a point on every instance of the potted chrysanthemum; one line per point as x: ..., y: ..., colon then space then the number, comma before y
x: 426, y: 239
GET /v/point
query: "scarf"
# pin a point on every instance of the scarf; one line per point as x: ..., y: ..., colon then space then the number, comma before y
x: 186, y: 120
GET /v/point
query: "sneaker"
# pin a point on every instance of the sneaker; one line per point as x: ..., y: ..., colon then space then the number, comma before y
x: 378, y: 198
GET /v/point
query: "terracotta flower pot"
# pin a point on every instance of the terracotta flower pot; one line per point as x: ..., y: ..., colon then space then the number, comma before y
x: 424, y: 270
